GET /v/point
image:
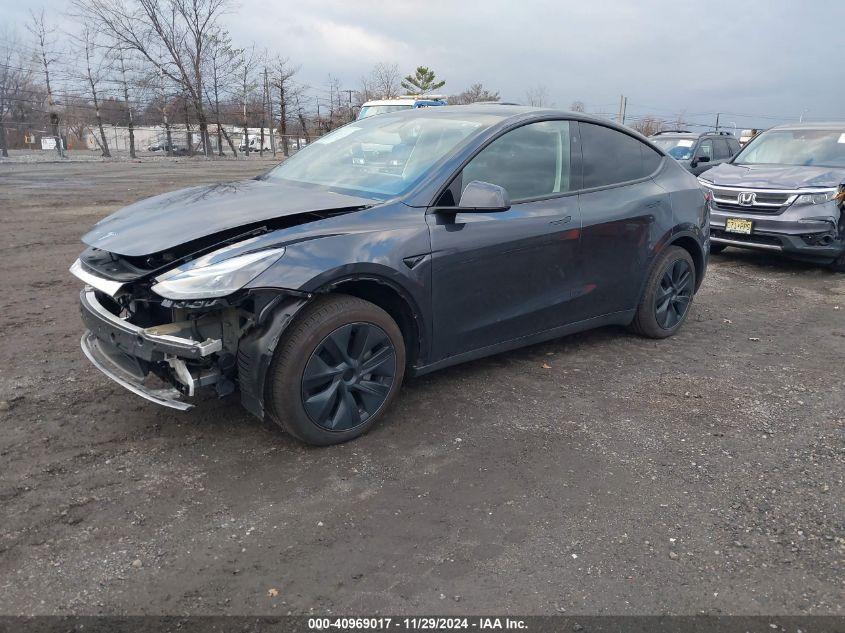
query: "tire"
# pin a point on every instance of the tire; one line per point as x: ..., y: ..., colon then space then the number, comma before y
x: 318, y: 387
x: 838, y: 264
x: 672, y: 277
x: 715, y: 249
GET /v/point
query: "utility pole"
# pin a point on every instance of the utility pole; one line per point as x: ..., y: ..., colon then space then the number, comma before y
x: 623, y: 106
x: 717, y: 121
x: 349, y: 94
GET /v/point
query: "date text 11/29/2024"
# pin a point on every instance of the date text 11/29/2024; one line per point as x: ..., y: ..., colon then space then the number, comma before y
x: 416, y: 623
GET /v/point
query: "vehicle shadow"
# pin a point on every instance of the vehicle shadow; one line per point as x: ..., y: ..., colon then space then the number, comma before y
x: 769, y: 260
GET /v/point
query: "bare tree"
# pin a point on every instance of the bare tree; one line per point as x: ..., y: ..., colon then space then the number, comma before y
x: 96, y: 65
x: 44, y: 35
x: 382, y: 82
x: 647, y: 125
x: 385, y: 79
x: 474, y: 94
x: 222, y: 61
x: 538, y: 96
x: 15, y: 74
x: 283, y: 74
x: 247, y: 63
x: 577, y: 106
x: 120, y: 54
x: 300, y: 115
x: 181, y: 28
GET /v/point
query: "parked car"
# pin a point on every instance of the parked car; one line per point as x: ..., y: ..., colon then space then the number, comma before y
x: 383, y: 106
x: 255, y: 143
x: 164, y: 147
x: 697, y: 152
x: 783, y: 193
x: 316, y: 288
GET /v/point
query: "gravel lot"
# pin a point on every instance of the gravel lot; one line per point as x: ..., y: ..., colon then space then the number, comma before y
x: 600, y: 473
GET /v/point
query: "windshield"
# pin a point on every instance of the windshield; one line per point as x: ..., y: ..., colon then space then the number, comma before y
x: 381, y: 156
x: 373, y: 110
x: 822, y: 148
x: 677, y: 148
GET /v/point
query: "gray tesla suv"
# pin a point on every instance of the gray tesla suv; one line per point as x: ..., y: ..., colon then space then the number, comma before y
x: 783, y: 193
x: 394, y: 246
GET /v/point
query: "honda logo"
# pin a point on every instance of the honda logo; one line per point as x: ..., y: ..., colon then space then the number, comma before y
x: 746, y: 198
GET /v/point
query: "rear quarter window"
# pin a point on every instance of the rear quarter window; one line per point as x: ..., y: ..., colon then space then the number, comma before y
x: 611, y: 157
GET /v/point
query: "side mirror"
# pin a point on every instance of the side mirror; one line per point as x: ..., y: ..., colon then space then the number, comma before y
x: 484, y: 197
x: 703, y: 159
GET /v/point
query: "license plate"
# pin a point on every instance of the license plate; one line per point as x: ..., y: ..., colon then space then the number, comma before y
x: 736, y: 225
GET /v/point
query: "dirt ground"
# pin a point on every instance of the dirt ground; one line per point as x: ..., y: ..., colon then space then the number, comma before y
x: 600, y: 473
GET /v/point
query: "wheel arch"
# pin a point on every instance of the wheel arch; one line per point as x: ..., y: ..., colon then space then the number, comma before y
x: 391, y: 298
x: 689, y: 243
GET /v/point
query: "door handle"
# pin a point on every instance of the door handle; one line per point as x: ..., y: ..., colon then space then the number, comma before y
x: 565, y: 220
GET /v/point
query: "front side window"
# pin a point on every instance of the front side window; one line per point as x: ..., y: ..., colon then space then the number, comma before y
x: 705, y: 149
x: 531, y: 161
x: 822, y: 148
x: 380, y: 156
x: 611, y: 157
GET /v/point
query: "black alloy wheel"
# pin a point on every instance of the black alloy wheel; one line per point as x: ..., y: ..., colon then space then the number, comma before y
x: 348, y: 376
x: 668, y: 293
x: 672, y: 299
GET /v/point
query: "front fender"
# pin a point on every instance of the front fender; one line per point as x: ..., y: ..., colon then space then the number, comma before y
x: 256, y: 349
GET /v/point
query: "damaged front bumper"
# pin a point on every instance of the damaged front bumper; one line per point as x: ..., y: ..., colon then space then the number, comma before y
x: 128, y: 353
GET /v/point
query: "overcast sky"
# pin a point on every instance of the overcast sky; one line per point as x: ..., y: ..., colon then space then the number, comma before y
x: 772, y: 59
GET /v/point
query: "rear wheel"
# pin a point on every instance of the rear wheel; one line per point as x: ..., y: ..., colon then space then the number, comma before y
x: 336, y: 371
x: 668, y: 294
x: 838, y: 264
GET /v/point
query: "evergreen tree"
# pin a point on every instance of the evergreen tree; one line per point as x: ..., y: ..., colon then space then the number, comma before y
x: 422, y: 81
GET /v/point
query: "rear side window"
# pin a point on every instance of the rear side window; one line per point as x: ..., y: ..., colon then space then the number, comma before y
x: 611, y: 157
x: 720, y: 149
x: 531, y: 161
x: 733, y: 145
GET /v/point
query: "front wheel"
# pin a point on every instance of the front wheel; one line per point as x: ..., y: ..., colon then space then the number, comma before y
x: 337, y: 369
x: 668, y: 294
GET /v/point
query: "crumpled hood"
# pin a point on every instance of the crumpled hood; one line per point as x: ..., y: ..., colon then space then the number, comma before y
x: 167, y: 220
x: 774, y: 176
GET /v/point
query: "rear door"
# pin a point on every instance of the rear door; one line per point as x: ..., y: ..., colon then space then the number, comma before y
x: 504, y: 275
x: 622, y: 212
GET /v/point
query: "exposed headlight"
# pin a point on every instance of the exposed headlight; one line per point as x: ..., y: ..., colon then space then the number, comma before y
x: 202, y: 280
x: 816, y: 198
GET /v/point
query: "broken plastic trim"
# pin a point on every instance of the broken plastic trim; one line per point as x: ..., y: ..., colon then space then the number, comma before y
x: 166, y: 397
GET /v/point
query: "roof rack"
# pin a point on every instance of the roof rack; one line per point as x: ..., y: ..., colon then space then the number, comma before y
x: 671, y: 132
x: 422, y: 97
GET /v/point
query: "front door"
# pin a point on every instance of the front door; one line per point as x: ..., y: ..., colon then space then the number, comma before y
x: 505, y: 275
x: 704, y: 150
